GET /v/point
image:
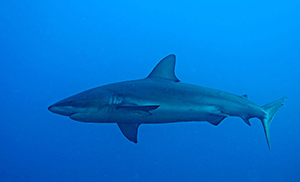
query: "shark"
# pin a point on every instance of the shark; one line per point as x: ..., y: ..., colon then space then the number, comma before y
x: 161, y: 98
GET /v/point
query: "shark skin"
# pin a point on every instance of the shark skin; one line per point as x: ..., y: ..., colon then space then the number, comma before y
x: 161, y: 98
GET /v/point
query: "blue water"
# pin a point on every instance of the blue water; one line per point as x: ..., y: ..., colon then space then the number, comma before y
x: 53, y: 49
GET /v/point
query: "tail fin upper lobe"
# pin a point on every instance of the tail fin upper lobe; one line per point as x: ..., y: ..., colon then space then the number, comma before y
x: 270, y: 109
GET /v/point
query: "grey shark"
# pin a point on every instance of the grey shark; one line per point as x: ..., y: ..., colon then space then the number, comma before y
x: 161, y: 98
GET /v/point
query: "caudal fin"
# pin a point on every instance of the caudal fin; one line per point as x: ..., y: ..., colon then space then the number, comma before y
x: 271, y: 110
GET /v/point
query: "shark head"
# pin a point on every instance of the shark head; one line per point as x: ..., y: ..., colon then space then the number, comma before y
x: 78, y: 107
x: 109, y: 103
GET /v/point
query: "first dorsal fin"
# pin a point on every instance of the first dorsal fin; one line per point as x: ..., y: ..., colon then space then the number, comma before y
x: 165, y: 69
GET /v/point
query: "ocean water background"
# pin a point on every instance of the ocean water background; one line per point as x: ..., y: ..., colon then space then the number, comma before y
x: 53, y: 49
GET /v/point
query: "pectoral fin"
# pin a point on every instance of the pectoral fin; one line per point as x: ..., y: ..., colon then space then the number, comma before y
x: 129, y: 131
x: 142, y: 108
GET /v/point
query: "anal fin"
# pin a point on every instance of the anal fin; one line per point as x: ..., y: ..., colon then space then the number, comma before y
x: 246, y: 119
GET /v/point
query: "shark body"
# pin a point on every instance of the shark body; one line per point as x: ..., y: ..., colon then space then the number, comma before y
x: 161, y: 98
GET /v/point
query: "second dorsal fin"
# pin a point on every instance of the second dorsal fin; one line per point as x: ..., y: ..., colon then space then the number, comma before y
x: 165, y: 69
x: 245, y: 96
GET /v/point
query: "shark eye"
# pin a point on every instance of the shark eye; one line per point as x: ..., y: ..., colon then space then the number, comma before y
x: 72, y: 103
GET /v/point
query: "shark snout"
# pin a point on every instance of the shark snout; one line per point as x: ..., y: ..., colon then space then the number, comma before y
x: 62, y: 110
